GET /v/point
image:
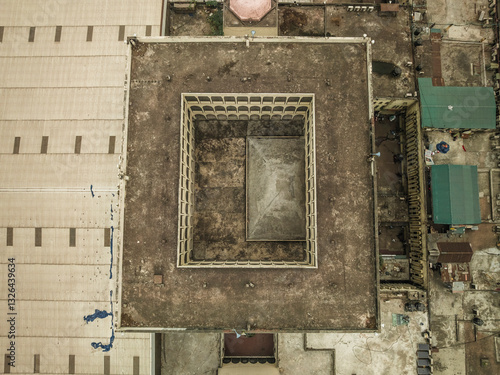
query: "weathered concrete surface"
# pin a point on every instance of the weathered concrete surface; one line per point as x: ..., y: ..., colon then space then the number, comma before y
x: 390, y: 352
x: 276, y: 190
x: 392, y: 43
x: 450, y: 361
x: 285, y: 299
x: 464, y: 64
x: 447, y: 12
x: 475, y: 150
x: 295, y: 359
x: 220, y: 191
x: 194, y: 24
x: 460, y: 344
x: 391, y: 35
x: 190, y: 353
x: 462, y: 35
x: 485, y: 268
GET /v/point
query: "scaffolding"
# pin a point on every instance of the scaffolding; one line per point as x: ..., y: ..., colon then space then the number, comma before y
x: 196, y: 106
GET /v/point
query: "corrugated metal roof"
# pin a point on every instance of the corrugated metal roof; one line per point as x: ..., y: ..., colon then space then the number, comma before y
x: 456, y: 107
x: 454, y: 252
x: 455, y: 194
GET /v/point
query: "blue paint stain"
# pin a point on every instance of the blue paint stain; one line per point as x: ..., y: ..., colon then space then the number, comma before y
x: 107, y: 347
x: 99, y: 314
x: 111, y: 211
x: 111, y: 251
x: 91, y: 191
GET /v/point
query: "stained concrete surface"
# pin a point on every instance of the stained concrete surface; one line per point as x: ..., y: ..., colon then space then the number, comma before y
x: 485, y: 268
x: 460, y: 345
x: 394, y: 269
x: 391, y: 35
x: 276, y: 207
x: 460, y: 45
x: 447, y: 12
x: 464, y: 64
x: 220, y: 213
x: 450, y: 361
x: 390, y: 352
x: 194, y: 23
x: 392, y: 44
x: 295, y: 358
x: 345, y: 278
x: 190, y: 353
x: 475, y: 150
x: 303, y: 21
x: 392, y: 209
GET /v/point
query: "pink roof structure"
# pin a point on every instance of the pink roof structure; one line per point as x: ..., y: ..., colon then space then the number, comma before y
x: 250, y: 10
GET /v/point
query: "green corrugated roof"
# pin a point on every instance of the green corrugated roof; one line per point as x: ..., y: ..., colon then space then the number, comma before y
x: 455, y: 194
x: 471, y: 107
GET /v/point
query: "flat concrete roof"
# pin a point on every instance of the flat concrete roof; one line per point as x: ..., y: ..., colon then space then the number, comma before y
x: 341, y: 294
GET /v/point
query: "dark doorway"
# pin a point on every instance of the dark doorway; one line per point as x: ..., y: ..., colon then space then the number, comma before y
x: 258, y: 345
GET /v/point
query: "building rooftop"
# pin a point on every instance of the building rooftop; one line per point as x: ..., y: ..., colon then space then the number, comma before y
x: 456, y: 107
x: 455, y: 194
x: 341, y: 293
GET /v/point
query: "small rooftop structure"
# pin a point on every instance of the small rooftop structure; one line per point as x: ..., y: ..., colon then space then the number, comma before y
x: 455, y: 194
x: 454, y: 252
x: 386, y: 7
x: 250, y: 10
x: 456, y: 107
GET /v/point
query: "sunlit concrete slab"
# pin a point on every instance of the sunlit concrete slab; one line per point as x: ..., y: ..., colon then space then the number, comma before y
x: 276, y: 191
x: 296, y: 360
x: 392, y: 350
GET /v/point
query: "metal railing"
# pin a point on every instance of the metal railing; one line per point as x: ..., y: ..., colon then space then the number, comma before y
x: 245, y: 106
x: 416, y: 198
